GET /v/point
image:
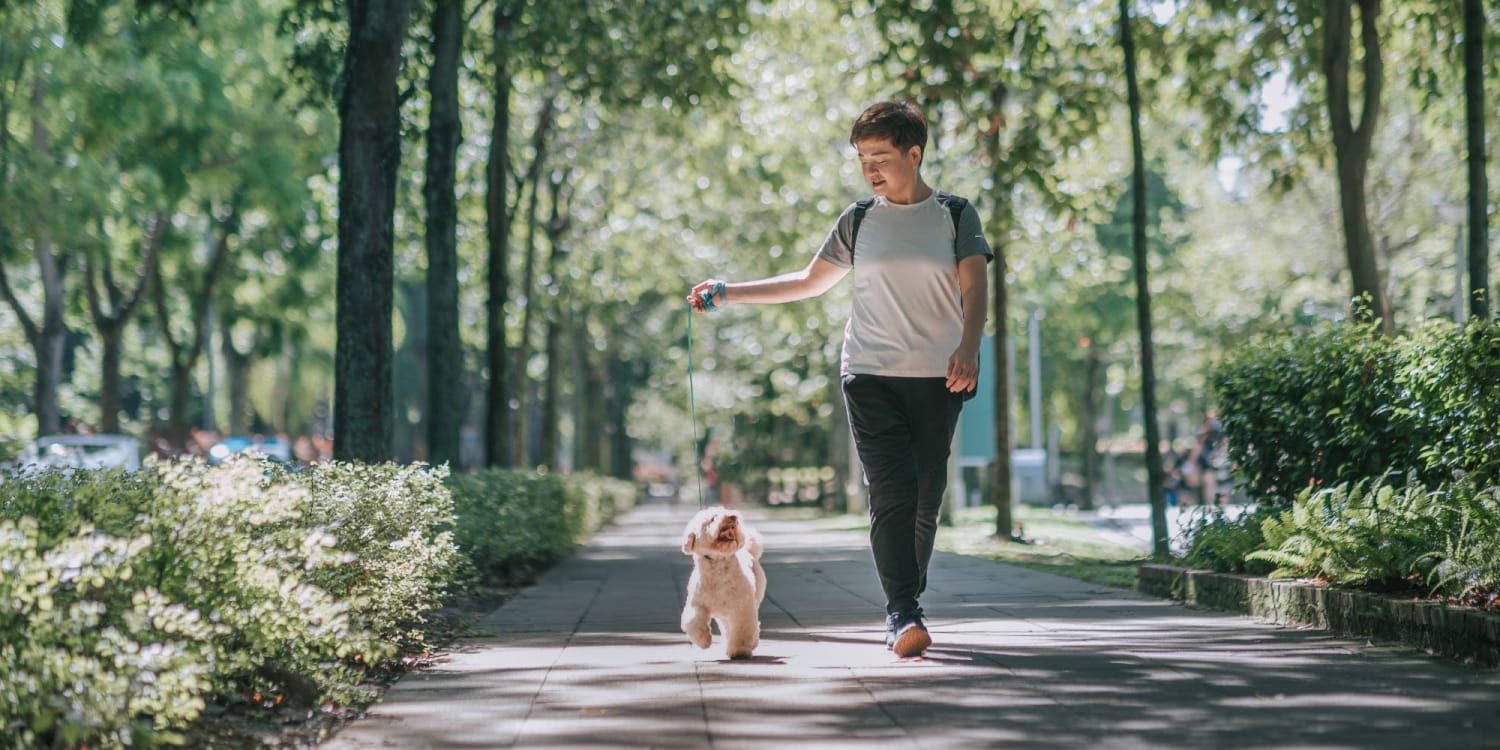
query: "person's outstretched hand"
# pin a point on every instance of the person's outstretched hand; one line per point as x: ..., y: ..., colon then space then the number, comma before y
x: 718, y: 296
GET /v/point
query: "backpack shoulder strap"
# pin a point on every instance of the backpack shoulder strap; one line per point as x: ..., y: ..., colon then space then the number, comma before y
x: 860, y: 207
x: 956, y: 206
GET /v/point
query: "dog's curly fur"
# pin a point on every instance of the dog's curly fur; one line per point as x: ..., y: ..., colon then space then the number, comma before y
x: 727, y: 584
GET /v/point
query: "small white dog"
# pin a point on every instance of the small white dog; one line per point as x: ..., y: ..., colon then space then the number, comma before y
x: 727, y: 584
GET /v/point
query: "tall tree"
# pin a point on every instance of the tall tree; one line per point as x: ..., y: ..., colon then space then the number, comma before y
x: 532, y: 185
x: 497, y: 443
x: 111, y: 308
x: 1479, y: 192
x: 555, y: 312
x: 1241, y: 49
x: 369, y: 153
x: 29, y: 167
x: 444, y: 131
x: 612, y: 52
x: 1352, y: 142
x: 1155, y: 475
x: 223, y: 223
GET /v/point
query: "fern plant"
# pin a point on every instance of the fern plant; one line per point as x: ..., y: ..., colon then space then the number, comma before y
x: 1220, y: 543
x: 1364, y: 532
x: 1469, y: 559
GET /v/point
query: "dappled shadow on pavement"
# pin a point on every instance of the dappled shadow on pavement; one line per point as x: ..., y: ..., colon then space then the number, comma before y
x: 591, y: 658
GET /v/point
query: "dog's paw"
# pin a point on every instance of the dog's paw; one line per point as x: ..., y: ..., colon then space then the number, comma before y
x: 701, y: 636
x: 740, y: 653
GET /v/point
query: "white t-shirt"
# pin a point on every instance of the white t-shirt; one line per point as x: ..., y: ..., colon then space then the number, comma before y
x: 907, y: 316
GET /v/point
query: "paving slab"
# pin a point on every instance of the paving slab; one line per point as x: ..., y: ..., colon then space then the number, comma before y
x: 591, y: 657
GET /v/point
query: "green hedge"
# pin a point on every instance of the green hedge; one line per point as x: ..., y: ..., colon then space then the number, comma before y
x: 131, y: 601
x: 1343, y: 404
x: 1375, y: 460
x: 510, y: 522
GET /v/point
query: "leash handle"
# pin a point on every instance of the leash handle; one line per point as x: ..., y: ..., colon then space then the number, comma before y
x: 707, y: 295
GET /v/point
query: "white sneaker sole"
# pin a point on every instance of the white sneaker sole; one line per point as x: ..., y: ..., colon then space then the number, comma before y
x: 912, y: 642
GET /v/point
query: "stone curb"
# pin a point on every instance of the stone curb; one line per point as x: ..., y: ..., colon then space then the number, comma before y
x: 1469, y: 635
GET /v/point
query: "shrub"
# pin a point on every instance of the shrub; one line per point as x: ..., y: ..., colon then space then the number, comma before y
x: 1343, y: 404
x: 1312, y: 409
x: 1453, y: 377
x: 228, y: 542
x: 511, y: 522
x: 1219, y: 543
x: 93, y: 653
x: 393, y: 526
x: 129, y: 601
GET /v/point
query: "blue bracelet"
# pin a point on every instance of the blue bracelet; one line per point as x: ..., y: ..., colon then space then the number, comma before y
x: 707, y: 295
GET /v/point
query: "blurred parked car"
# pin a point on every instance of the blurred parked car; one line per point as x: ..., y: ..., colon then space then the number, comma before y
x: 272, y: 448
x: 83, y: 452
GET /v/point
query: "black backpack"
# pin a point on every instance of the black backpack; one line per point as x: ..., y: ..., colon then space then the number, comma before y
x: 956, y: 206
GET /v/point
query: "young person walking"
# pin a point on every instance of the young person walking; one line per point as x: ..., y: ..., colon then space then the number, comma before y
x: 911, y: 347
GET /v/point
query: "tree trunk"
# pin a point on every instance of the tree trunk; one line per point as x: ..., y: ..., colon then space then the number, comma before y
x: 112, y: 343
x: 522, y: 417
x: 616, y: 407
x: 497, y: 223
x: 588, y: 401
x: 552, y: 391
x: 184, y: 355
x: 1352, y: 145
x: 1479, y: 191
x: 238, y: 364
x: 369, y: 153
x: 47, y: 341
x: 180, y: 384
x: 1089, y: 406
x: 550, y: 302
x: 1000, y: 473
x: 999, y: 232
x: 110, y: 320
x: 444, y: 131
x: 1155, y: 474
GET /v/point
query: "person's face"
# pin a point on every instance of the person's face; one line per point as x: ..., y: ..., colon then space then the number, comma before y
x: 890, y: 172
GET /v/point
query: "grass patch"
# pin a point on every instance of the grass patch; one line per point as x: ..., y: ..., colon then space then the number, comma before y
x: 1056, y: 544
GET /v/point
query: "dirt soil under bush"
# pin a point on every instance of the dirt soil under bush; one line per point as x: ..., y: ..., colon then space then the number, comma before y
x: 250, y: 724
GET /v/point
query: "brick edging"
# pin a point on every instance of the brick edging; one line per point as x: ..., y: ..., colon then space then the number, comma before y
x: 1467, y: 634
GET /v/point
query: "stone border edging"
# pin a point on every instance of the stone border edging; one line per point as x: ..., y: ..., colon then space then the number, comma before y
x: 1470, y: 635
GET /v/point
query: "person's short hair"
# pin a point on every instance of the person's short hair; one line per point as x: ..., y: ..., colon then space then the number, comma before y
x: 901, y: 123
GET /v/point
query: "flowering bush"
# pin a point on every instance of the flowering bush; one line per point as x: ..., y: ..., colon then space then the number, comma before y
x: 130, y: 601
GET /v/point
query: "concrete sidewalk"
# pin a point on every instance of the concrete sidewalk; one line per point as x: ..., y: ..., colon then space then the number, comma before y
x: 591, y: 657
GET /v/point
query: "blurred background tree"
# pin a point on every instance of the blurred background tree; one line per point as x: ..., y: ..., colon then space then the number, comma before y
x: 604, y: 156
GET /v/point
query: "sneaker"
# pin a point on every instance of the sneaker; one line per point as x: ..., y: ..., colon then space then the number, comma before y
x: 906, y: 635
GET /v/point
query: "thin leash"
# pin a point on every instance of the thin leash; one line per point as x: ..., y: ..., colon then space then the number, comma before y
x: 708, y: 305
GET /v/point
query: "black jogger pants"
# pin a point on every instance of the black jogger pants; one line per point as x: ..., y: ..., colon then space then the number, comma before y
x: 903, y: 431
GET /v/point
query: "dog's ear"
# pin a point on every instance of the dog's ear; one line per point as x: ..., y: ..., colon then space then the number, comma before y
x: 689, y: 542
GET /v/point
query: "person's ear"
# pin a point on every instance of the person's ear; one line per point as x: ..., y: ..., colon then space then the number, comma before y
x: 915, y: 155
